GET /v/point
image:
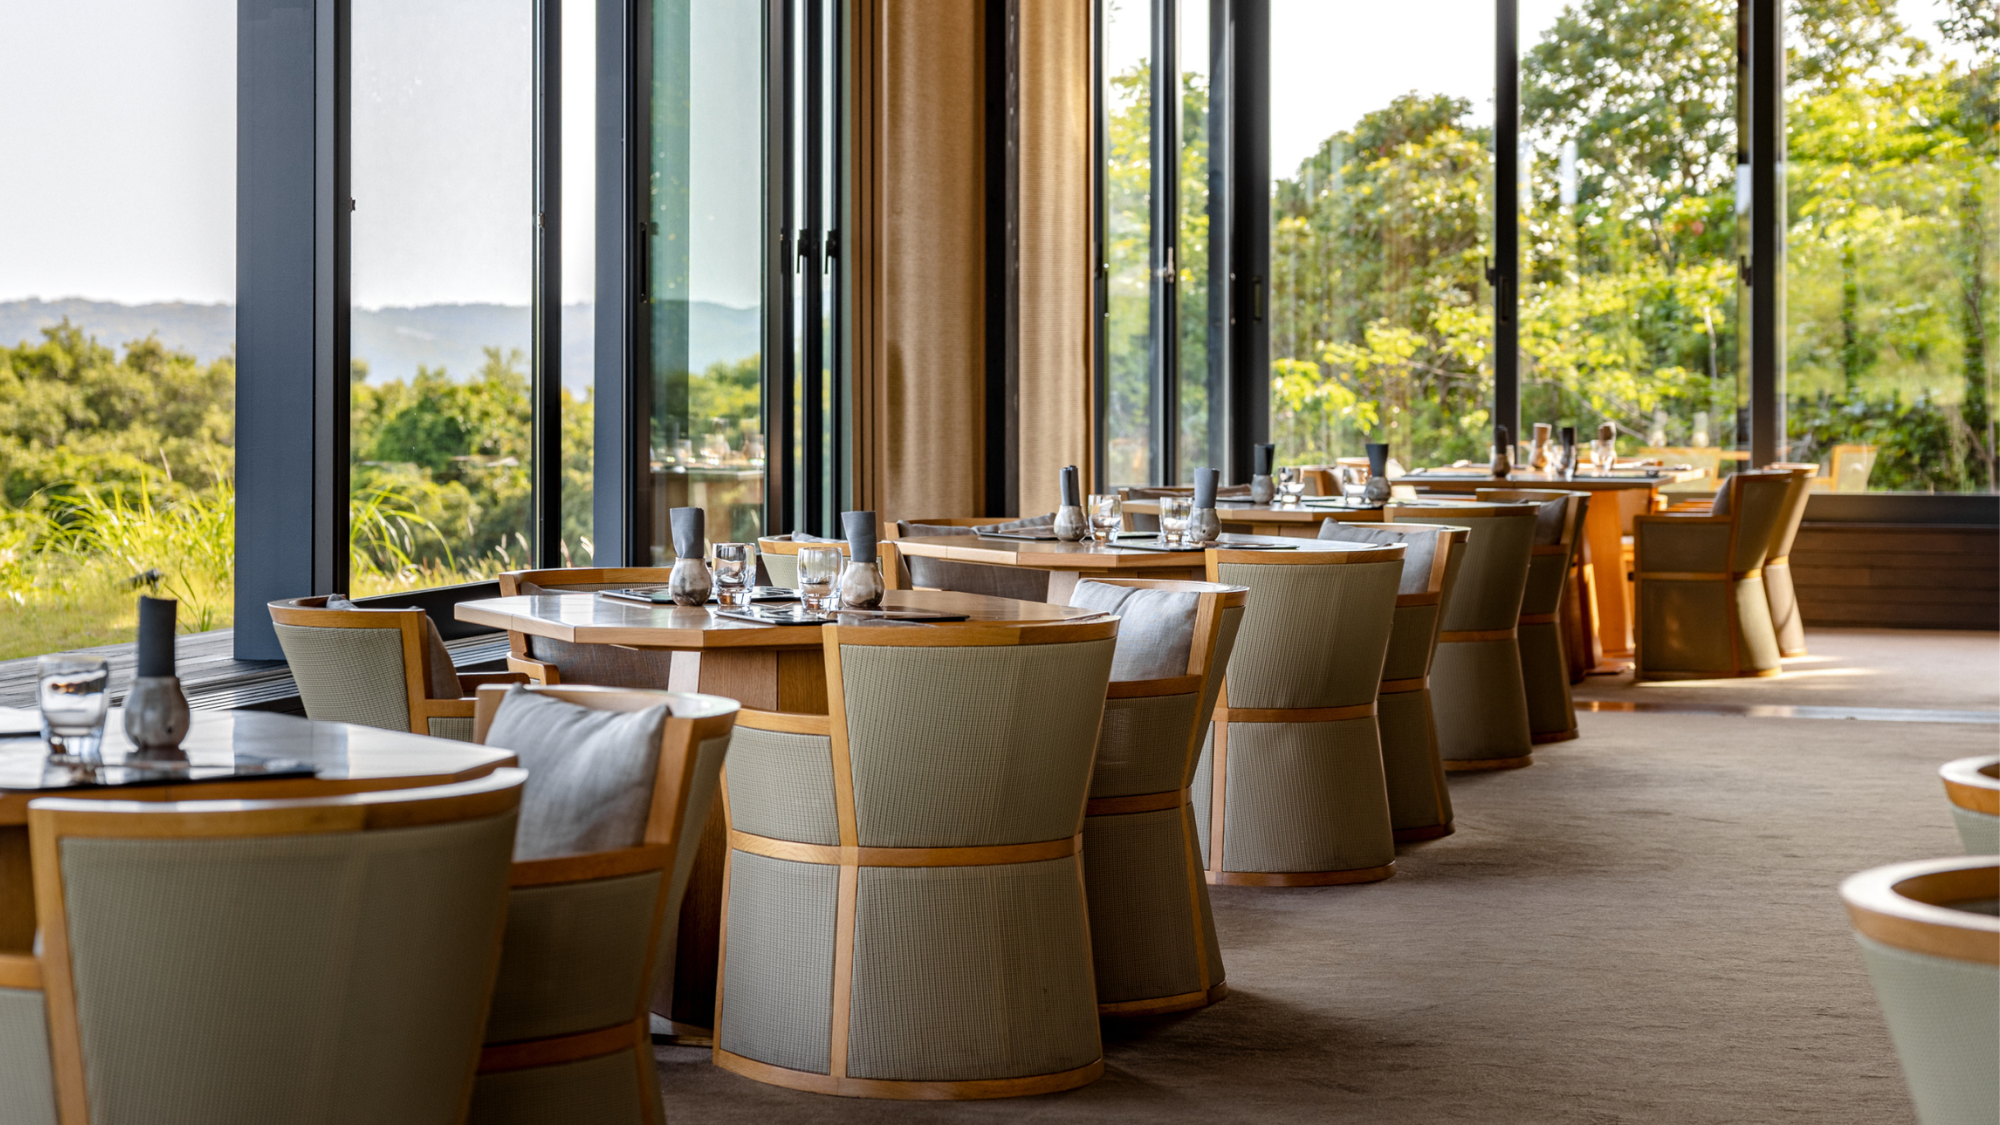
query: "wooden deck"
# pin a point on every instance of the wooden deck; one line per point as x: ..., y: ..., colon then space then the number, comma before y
x: 215, y: 680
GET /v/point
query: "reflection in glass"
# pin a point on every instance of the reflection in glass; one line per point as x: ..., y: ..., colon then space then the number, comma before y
x: 443, y: 241
x: 1200, y: 426
x: 706, y: 255
x: 1128, y: 232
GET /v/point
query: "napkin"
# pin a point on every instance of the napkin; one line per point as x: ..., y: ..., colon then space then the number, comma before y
x: 1569, y: 436
x: 1378, y: 458
x: 1205, y: 481
x: 690, y: 532
x: 1261, y: 456
x: 156, y: 636
x: 1072, y: 495
x: 862, y: 541
x: 1503, y: 439
x: 1608, y: 431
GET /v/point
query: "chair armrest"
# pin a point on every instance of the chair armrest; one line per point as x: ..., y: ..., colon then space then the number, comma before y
x: 447, y: 709
x: 20, y: 970
x: 473, y: 681
x: 537, y: 671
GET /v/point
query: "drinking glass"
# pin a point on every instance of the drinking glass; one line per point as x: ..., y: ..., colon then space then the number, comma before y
x: 1353, y: 482
x: 732, y: 574
x: 1174, y: 518
x: 1291, y: 484
x: 73, y: 698
x: 819, y: 572
x: 1604, y: 454
x: 1107, y: 515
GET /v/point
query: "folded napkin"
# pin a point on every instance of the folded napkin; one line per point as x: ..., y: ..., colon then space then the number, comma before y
x: 1569, y: 436
x: 690, y: 532
x: 156, y: 636
x: 1072, y: 492
x: 1607, y: 432
x: 1378, y: 458
x: 1261, y: 456
x: 1205, y: 481
x: 1503, y: 438
x: 861, y: 536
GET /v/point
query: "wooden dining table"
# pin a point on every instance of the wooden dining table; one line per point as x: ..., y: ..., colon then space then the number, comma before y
x: 761, y: 666
x: 1626, y: 494
x: 346, y: 759
x: 1069, y: 563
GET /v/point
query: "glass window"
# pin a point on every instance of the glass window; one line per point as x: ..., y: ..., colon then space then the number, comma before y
x: 441, y: 268
x: 1198, y: 306
x: 579, y: 277
x: 1128, y: 242
x: 707, y: 266
x: 1891, y: 265
x: 117, y: 323
x: 1380, y: 317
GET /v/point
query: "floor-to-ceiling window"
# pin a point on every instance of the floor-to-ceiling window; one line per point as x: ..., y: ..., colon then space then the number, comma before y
x: 442, y: 282
x: 1127, y: 105
x: 1892, y: 327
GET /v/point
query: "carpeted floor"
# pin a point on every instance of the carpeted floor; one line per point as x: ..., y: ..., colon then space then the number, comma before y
x: 1641, y: 927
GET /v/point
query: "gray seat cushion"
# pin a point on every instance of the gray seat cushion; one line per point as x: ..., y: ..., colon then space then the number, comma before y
x: 444, y: 675
x: 1018, y: 525
x: 1155, y: 632
x: 1419, y: 548
x: 908, y: 530
x: 590, y: 773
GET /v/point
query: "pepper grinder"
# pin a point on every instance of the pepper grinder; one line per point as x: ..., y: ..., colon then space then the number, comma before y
x: 1503, y: 448
x: 861, y: 582
x: 156, y: 711
x: 689, y: 583
x: 1262, y: 491
x: 1203, y: 525
x: 1070, y: 525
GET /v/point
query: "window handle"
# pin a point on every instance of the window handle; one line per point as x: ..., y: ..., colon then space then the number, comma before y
x: 832, y: 248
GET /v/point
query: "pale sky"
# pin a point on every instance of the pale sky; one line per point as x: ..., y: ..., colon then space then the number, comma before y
x: 118, y: 121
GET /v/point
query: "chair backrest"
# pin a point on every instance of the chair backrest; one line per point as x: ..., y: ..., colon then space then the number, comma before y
x: 374, y: 667
x: 922, y: 572
x: 1432, y: 554
x: 581, y: 579
x: 1850, y: 467
x: 1153, y: 726
x: 240, y: 960
x: 558, y: 977
x: 779, y: 555
x: 1787, y: 530
x: 1559, y: 519
x: 1284, y: 657
x: 1756, y: 505
x: 1493, y: 578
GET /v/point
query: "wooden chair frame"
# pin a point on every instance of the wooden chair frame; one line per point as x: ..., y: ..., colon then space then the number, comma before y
x: 1212, y: 599
x: 850, y: 857
x: 419, y: 691
x: 694, y: 720
x: 51, y: 819
x: 1728, y: 577
x: 1225, y: 715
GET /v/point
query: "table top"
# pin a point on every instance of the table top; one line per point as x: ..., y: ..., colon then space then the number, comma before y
x: 1306, y: 512
x: 1585, y: 479
x: 589, y: 619
x: 348, y: 759
x: 1048, y: 555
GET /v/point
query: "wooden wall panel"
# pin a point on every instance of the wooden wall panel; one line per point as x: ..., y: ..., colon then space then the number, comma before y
x: 1055, y: 262
x: 1923, y: 576
x: 919, y: 271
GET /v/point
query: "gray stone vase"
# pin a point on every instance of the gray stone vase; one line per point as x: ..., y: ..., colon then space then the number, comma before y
x: 156, y: 713
x: 689, y: 582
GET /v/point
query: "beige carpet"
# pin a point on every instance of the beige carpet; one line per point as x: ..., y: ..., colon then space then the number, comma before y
x: 1848, y: 668
x: 1642, y: 927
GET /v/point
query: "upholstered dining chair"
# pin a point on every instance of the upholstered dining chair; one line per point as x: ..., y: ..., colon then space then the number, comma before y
x: 377, y: 667
x: 1702, y: 610
x: 546, y: 660
x: 1019, y: 583
x: 589, y: 934
x: 1419, y: 801
x: 1931, y: 943
x: 209, y: 961
x: 1973, y: 786
x: 905, y: 909
x: 1545, y: 667
x: 1778, y: 588
x: 779, y: 556
x: 1152, y: 935
x: 1477, y: 690
x: 1290, y: 789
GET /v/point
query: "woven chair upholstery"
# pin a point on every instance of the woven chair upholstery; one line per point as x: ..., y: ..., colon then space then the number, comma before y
x: 376, y: 667
x: 1019, y: 583
x: 1931, y: 945
x: 589, y: 938
x: 970, y: 972
x: 1152, y: 932
x: 1778, y: 588
x: 1544, y: 660
x: 1477, y: 691
x: 27, y: 1087
x: 1702, y: 609
x: 238, y: 962
x: 1299, y: 797
x: 1419, y: 800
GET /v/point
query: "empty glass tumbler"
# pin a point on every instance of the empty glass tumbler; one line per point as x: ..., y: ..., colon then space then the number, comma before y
x: 1174, y: 518
x: 733, y: 574
x: 1107, y: 515
x: 74, y: 699
x: 819, y: 572
x: 1291, y: 484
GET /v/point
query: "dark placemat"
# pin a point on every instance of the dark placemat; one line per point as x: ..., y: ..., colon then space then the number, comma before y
x: 659, y: 596
x: 24, y: 765
x: 796, y: 615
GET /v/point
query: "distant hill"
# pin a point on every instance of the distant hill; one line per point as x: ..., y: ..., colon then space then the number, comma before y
x: 394, y: 341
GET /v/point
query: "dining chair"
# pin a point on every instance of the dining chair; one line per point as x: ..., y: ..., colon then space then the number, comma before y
x: 377, y: 667
x: 1419, y: 801
x: 1290, y: 788
x: 905, y: 909
x: 237, y: 961
x: 1152, y: 934
x: 1931, y: 944
x: 1020, y: 583
x: 1778, y: 588
x: 546, y: 660
x: 1973, y: 786
x: 1478, y: 693
x: 1702, y: 609
x: 588, y: 951
x: 1545, y: 667
x: 779, y: 556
